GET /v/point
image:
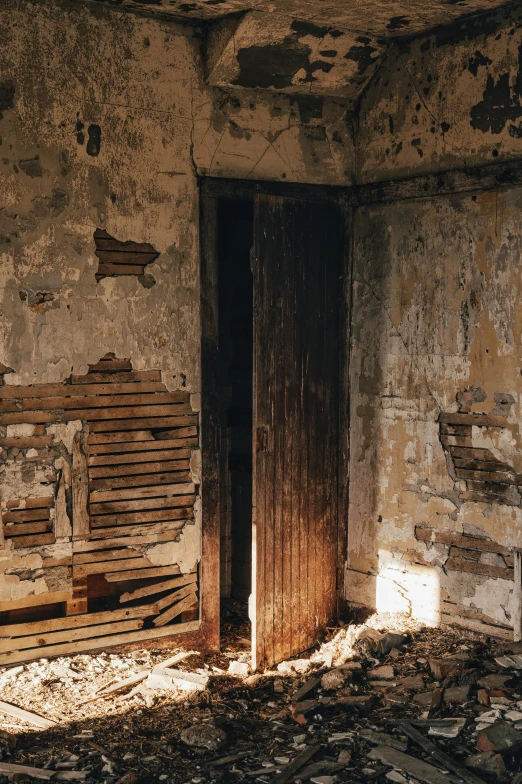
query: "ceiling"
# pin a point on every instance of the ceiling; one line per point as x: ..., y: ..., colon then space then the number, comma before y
x: 386, y: 18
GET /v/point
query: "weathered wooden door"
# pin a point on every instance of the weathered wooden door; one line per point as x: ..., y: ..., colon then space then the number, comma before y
x: 298, y: 269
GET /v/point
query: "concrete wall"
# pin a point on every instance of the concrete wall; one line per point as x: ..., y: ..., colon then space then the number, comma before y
x: 105, y: 122
x: 436, y: 294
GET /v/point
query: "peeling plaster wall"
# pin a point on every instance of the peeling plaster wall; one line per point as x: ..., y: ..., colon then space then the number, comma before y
x: 105, y: 122
x: 437, y: 283
x: 448, y: 100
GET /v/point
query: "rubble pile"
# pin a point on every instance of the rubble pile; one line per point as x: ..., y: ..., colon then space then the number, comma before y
x: 381, y: 702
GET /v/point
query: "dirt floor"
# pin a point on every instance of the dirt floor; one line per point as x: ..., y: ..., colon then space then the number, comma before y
x: 376, y: 702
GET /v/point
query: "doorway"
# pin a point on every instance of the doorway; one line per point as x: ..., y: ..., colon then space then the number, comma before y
x: 236, y: 347
x: 275, y: 431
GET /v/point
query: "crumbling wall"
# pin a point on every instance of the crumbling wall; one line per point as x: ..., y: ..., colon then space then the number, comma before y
x: 105, y: 123
x: 448, y: 100
x: 436, y: 290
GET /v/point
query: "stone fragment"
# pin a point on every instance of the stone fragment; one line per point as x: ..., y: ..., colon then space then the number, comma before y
x: 295, y: 666
x: 456, y: 695
x: 411, y: 683
x: 441, y: 668
x: 513, y: 715
x: 204, y: 736
x: 333, y: 680
x: 385, y: 673
x: 487, y: 763
x: 493, y: 681
x: 396, y: 777
x: 424, y: 699
x: 447, y: 728
x: 238, y: 668
x: 499, y: 737
x: 483, y: 697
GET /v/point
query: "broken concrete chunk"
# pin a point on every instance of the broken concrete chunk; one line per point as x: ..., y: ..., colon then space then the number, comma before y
x: 333, y: 680
x: 493, y: 681
x: 292, y: 667
x: 383, y: 739
x: 487, y: 763
x: 411, y: 683
x: 499, y: 737
x: 204, y: 736
x: 447, y: 728
x: 238, y: 668
x: 441, y: 668
x: 385, y: 673
x: 416, y: 768
x: 456, y: 695
x: 510, y: 662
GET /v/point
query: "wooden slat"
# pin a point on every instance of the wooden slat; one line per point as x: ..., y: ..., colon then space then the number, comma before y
x: 176, y: 596
x: 143, y: 503
x: 69, y: 635
x: 455, y: 430
x: 119, y: 439
x: 32, y: 541
x: 172, y: 528
x: 124, y: 541
x: 35, y: 600
x: 98, y: 643
x: 139, y: 481
x: 27, y: 442
x: 483, y: 420
x: 154, y: 516
x: 116, y: 378
x: 141, y: 423
x: 496, y: 477
x: 119, y: 269
x: 95, y: 401
x: 135, y: 469
x: 140, y: 457
x: 106, y: 567
x: 26, y: 515
x: 471, y: 453
x: 151, y: 590
x: 189, y: 601
x: 107, y: 247
x: 481, y: 465
x: 487, y: 498
x: 93, y: 388
x: 39, y: 503
x: 98, y: 416
x: 141, y: 574
x: 20, y: 529
x: 106, y: 555
x: 465, y: 441
x: 80, y: 485
x: 460, y: 540
x: 74, y: 622
x: 465, y: 565
x: 161, y: 491
x: 172, y: 443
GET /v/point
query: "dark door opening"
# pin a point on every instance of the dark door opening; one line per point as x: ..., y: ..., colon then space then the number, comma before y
x: 235, y: 335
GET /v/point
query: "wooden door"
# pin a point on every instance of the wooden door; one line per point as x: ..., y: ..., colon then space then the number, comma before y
x: 298, y: 270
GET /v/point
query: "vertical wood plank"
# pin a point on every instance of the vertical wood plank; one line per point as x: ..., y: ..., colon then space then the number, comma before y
x: 210, y: 490
x: 517, y: 619
x: 80, y: 485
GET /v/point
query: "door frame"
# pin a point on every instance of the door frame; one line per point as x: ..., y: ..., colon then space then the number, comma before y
x: 212, y: 189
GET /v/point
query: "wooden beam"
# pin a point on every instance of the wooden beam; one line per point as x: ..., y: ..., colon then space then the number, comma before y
x: 151, y: 590
x: 177, y: 609
x: 160, y: 491
x: 69, y: 635
x: 35, y: 600
x: 13, y: 630
x: 99, y: 643
x: 80, y: 485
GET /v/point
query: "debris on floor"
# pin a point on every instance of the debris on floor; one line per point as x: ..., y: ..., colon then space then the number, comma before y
x: 380, y: 702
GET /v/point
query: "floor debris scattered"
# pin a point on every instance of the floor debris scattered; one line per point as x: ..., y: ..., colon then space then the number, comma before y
x: 383, y: 701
